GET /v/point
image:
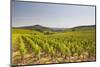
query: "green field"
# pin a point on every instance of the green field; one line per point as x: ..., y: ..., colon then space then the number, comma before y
x: 35, y: 47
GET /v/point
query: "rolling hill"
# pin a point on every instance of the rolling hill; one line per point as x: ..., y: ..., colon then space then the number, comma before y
x: 43, y: 28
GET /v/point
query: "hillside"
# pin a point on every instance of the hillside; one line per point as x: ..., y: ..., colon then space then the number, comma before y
x: 43, y: 28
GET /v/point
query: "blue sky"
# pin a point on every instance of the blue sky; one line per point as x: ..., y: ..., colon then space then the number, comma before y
x: 51, y: 15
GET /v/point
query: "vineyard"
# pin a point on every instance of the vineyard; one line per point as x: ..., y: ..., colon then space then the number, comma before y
x: 34, y: 47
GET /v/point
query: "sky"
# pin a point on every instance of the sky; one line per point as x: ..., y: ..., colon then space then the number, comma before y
x: 51, y: 15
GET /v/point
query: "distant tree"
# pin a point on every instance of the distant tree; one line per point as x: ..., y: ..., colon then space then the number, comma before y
x: 73, y: 29
x: 48, y: 32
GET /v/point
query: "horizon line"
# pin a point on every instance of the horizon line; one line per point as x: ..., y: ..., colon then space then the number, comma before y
x: 53, y: 27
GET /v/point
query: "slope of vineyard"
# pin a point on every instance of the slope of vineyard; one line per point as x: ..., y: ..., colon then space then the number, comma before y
x: 34, y: 47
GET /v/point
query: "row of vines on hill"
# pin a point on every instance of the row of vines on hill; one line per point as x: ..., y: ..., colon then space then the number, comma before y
x: 56, y: 46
